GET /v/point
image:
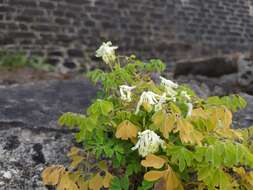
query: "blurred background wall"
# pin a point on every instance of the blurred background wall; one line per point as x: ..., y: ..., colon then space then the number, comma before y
x: 68, y: 31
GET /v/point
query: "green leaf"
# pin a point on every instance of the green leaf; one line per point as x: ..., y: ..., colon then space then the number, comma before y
x: 120, y: 184
x: 213, y: 156
x: 232, y: 102
x: 133, y: 167
x: 155, y: 65
x: 230, y: 158
x: 180, y: 156
x: 108, y: 151
x: 199, y: 153
x: 96, y: 75
x: 115, y: 184
x: 146, y: 185
x: 214, y: 177
x: 125, y: 182
x: 100, y: 107
x: 71, y: 120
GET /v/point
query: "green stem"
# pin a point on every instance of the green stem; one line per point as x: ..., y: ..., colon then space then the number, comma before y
x: 110, y: 66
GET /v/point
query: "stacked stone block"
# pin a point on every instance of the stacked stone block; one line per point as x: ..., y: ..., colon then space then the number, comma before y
x: 67, y: 32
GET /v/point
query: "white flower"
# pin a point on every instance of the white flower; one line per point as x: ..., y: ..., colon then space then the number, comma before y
x: 125, y: 92
x: 162, y: 100
x: 169, y: 87
x: 190, y: 107
x: 170, y: 91
x: 107, y: 52
x: 148, y: 143
x: 168, y: 83
x: 147, y: 97
x: 185, y: 95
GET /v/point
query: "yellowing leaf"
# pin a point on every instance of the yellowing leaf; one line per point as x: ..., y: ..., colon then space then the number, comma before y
x: 153, y: 161
x: 187, y: 132
x: 201, y: 186
x: 76, y: 161
x: 83, y: 185
x: 160, y: 185
x: 52, y: 174
x: 221, y: 117
x: 102, y: 165
x: 96, y: 182
x: 172, y: 182
x: 246, y: 177
x: 168, y: 179
x: 107, y: 180
x: 134, y: 140
x: 239, y: 171
x: 227, y: 118
x: 199, y: 112
x: 164, y: 122
x: 229, y: 133
x: 73, y: 152
x: 154, y: 175
x: 66, y: 183
x: 126, y: 130
x: 75, y: 176
x: 215, y: 116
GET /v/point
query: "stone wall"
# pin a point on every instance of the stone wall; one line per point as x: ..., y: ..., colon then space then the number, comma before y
x: 68, y: 31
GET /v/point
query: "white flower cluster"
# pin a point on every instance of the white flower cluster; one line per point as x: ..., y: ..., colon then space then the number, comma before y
x: 125, y: 92
x: 107, y: 52
x: 150, y: 97
x: 147, y: 97
x: 168, y: 83
x: 148, y: 143
x: 157, y: 100
x: 169, y: 87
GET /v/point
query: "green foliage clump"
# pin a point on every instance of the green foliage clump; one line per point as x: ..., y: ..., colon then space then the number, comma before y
x: 148, y: 135
x: 11, y: 60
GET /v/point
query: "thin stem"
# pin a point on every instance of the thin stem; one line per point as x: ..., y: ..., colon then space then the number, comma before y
x: 110, y: 66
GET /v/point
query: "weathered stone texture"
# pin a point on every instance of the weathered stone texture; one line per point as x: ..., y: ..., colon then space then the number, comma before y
x: 30, y: 138
x: 168, y: 29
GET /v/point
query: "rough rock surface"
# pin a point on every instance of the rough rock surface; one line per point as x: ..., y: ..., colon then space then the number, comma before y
x: 206, y: 86
x: 209, y: 66
x: 245, y: 72
x: 30, y: 138
x: 244, y: 118
x: 238, y: 65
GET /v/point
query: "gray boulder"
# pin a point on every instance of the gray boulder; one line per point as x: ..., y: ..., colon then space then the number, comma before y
x: 240, y: 65
x: 214, y: 66
x: 30, y: 138
x: 244, y: 118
